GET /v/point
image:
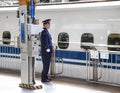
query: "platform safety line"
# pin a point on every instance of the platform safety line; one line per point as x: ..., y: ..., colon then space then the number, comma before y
x: 31, y: 87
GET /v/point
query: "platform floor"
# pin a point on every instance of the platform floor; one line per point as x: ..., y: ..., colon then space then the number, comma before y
x: 9, y: 83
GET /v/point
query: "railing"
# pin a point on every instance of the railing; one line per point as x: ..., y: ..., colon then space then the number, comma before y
x: 103, y: 66
x: 56, y: 65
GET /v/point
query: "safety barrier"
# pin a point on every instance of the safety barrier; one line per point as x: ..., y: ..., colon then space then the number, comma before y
x: 56, y: 65
x: 103, y: 66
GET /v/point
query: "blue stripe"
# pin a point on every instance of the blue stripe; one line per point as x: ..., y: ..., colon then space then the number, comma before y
x: 113, y: 58
x: 75, y: 55
x: 7, y: 56
x: 111, y: 67
x: 71, y: 55
x: 9, y: 49
x: 84, y: 64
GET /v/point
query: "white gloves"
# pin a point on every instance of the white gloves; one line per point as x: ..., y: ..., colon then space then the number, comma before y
x: 48, y: 50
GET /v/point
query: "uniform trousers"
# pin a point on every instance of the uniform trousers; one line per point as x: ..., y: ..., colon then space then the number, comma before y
x: 46, y: 58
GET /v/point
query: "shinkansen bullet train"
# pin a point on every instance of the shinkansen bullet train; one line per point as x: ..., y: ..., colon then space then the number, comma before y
x: 86, y: 39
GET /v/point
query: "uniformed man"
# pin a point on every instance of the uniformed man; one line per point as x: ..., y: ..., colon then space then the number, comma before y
x: 46, y: 49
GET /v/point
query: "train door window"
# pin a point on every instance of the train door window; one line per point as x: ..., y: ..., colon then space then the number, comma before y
x: 86, y: 38
x: 114, y: 39
x: 6, y: 36
x: 63, y: 40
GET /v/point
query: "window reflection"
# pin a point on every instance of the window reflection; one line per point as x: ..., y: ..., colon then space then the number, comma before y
x: 63, y: 40
x: 6, y: 37
x: 114, y: 39
x: 87, y: 38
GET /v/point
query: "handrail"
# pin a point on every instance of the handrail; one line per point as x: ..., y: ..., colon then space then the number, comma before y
x: 89, y: 77
x: 100, y: 71
x: 60, y: 59
x: 88, y: 64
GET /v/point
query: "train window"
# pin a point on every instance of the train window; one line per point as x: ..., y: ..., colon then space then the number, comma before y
x: 86, y: 38
x: 6, y: 37
x: 114, y: 39
x: 63, y: 40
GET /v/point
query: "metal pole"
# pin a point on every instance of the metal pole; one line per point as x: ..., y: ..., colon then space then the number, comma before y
x: 95, y: 70
x: 52, y: 69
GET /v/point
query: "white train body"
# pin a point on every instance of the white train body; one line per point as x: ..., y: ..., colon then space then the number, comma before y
x: 73, y: 20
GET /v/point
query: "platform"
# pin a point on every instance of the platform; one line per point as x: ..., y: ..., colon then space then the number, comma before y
x: 9, y: 83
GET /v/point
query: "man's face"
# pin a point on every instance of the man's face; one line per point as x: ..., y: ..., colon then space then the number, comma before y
x: 47, y: 25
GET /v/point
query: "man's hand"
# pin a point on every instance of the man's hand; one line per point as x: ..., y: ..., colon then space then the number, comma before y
x: 48, y: 50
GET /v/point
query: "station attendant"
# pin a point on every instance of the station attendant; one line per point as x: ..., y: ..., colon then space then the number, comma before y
x: 46, y: 50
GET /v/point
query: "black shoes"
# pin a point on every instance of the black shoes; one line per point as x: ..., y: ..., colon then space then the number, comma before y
x: 47, y: 80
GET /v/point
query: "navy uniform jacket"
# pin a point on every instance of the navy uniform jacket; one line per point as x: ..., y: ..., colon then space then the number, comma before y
x: 46, y: 41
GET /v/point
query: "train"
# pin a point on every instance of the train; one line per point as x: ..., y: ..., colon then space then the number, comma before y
x: 86, y: 39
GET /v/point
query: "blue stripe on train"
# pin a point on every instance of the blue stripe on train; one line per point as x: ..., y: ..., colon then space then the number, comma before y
x: 9, y: 49
x: 84, y: 64
x: 113, y: 58
x: 64, y: 54
x: 71, y: 54
x: 75, y: 55
x: 7, y: 56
